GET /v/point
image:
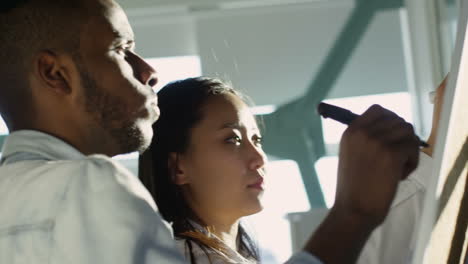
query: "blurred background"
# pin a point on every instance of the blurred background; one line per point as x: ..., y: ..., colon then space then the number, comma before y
x: 288, y: 55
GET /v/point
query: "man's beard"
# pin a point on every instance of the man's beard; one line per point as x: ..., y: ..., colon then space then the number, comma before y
x: 109, y: 113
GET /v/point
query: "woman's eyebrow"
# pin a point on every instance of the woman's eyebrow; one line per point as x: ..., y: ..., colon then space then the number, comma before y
x: 239, y: 127
x: 233, y: 126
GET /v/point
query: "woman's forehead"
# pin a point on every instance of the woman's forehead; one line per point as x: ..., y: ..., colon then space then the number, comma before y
x: 228, y: 111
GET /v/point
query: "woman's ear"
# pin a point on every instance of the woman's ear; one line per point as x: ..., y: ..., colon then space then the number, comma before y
x: 177, y: 166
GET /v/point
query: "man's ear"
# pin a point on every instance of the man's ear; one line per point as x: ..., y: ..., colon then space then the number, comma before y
x: 52, y: 71
x: 177, y: 167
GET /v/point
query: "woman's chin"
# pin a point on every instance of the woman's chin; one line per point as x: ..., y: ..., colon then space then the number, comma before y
x: 254, y: 208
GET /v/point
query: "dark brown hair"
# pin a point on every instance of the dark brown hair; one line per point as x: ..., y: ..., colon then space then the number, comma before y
x: 181, y: 104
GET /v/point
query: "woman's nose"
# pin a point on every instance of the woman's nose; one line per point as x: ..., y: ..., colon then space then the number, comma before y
x: 258, y: 158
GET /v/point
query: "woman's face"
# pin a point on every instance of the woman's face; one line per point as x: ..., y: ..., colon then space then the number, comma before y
x: 222, y: 172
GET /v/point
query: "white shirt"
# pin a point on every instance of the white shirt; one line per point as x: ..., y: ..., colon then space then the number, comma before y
x: 58, y: 206
x: 394, y: 241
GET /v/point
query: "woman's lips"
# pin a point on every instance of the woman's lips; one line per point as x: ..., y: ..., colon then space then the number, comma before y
x: 257, y: 185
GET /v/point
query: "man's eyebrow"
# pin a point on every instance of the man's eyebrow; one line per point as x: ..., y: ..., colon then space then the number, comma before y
x: 128, y: 36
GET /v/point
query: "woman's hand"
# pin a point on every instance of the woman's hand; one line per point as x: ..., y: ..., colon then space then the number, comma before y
x: 439, y: 98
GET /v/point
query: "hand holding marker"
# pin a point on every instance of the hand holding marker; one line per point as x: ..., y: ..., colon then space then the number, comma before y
x: 344, y: 116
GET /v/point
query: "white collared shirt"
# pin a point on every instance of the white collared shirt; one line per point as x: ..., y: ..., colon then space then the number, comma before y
x: 394, y: 241
x: 58, y: 206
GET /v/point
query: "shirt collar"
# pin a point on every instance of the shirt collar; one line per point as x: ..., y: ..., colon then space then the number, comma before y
x: 233, y: 254
x: 39, y: 144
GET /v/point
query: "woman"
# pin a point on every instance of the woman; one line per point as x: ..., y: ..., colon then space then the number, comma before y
x: 207, y: 144
x: 205, y: 170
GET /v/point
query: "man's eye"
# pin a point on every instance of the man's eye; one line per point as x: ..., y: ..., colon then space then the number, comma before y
x: 122, y: 49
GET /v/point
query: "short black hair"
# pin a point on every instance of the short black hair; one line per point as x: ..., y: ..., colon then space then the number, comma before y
x: 26, y: 28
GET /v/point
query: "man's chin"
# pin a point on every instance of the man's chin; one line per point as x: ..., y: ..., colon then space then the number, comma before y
x: 144, y: 146
x: 146, y: 137
x: 133, y: 138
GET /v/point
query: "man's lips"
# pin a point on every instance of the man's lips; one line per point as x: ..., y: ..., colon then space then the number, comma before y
x: 155, y: 108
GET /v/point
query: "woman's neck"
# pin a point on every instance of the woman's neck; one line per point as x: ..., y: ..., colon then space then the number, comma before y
x: 227, y: 233
x: 225, y: 229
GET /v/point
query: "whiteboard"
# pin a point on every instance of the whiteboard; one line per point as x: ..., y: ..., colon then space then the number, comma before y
x: 452, y: 133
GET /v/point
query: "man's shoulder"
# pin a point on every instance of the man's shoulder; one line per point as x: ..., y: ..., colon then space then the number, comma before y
x: 100, y: 173
x: 103, y: 162
x: 105, y: 168
x: 106, y: 175
x: 90, y: 174
x: 41, y: 187
x: 93, y: 170
x: 99, y: 162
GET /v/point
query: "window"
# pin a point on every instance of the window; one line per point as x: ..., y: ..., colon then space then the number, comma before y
x: 3, y: 127
x: 3, y: 132
x: 175, y: 68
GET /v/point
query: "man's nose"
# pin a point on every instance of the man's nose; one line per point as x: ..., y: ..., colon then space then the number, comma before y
x: 144, y: 72
x: 148, y: 76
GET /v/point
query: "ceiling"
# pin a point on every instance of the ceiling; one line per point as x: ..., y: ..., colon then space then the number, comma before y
x: 178, y: 4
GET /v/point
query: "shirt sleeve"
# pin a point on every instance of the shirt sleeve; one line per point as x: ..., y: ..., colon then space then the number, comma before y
x: 303, y: 258
x: 394, y: 240
x: 109, y: 217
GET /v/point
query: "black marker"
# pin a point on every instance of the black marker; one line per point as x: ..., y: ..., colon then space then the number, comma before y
x: 344, y: 116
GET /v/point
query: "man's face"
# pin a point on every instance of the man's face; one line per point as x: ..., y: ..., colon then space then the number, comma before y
x: 119, y: 103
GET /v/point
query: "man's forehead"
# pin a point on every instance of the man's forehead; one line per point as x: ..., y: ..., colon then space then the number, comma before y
x: 111, y: 17
x: 119, y: 22
x: 124, y: 33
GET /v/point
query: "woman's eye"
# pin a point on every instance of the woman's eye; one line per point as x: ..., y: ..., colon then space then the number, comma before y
x: 257, y: 140
x: 234, y: 140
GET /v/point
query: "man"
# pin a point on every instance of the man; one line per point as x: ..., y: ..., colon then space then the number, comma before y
x: 74, y: 92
